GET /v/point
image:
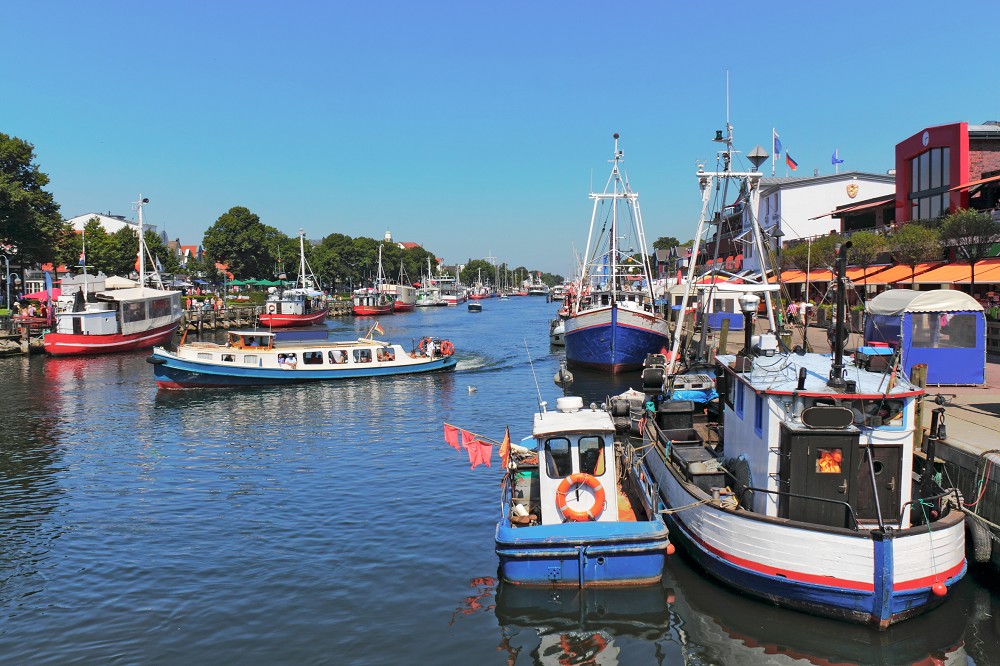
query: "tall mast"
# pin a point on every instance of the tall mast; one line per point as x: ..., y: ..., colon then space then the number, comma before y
x: 302, y: 257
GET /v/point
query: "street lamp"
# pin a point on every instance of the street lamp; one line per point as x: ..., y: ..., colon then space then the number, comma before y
x: 7, y: 278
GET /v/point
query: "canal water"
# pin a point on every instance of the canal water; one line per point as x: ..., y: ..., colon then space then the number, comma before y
x: 331, y: 524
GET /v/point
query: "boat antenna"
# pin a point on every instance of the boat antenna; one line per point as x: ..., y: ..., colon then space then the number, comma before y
x: 541, y: 403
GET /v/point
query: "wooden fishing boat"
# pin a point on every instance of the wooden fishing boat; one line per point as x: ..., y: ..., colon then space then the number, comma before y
x: 303, y: 305
x: 576, y: 509
x: 252, y: 358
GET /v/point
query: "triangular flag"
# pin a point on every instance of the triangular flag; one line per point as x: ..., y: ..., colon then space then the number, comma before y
x: 505, y: 449
x: 451, y: 436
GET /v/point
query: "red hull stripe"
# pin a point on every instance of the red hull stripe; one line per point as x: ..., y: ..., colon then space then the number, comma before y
x: 927, y: 581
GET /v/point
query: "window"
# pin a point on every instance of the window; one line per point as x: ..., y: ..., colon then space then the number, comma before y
x: 159, y: 307
x: 828, y: 461
x: 362, y: 355
x: 944, y: 330
x: 229, y: 358
x: 558, y: 461
x: 739, y: 399
x: 133, y: 311
x: 250, y: 359
x: 758, y: 417
x: 312, y: 358
x: 385, y: 354
x: 592, y: 456
x: 205, y: 356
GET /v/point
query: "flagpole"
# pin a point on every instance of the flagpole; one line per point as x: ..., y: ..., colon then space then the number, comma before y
x: 836, y: 161
x: 774, y: 158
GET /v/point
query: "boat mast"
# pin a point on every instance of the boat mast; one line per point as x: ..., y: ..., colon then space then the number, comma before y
x: 142, y: 248
x: 302, y: 258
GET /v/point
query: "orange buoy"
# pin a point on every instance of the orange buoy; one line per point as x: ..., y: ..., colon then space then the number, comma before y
x: 671, y: 549
x: 939, y: 589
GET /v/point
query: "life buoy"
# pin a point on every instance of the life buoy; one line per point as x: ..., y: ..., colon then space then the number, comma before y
x: 595, y: 511
x: 422, y: 345
x: 447, y: 348
x: 271, y: 309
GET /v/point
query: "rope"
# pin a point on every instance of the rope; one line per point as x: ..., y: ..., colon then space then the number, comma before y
x: 923, y: 508
x: 686, y: 506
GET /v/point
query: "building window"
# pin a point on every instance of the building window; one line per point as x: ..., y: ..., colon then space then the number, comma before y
x: 929, y: 183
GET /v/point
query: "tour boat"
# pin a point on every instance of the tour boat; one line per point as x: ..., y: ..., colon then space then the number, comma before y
x: 576, y: 509
x: 612, y: 322
x: 252, y: 358
x: 809, y: 491
x: 303, y: 305
x: 116, y: 320
x: 369, y: 301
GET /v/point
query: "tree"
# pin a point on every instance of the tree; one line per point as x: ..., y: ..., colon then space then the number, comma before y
x: 30, y: 223
x: 912, y: 244
x: 973, y: 234
x: 665, y: 243
x: 240, y: 240
x: 866, y: 248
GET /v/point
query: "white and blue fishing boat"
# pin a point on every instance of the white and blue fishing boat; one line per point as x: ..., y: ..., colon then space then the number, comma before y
x: 253, y: 358
x: 809, y: 491
x: 612, y: 322
x: 576, y: 509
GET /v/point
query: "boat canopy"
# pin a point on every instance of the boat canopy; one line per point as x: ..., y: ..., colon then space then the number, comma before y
x: 898, y: 301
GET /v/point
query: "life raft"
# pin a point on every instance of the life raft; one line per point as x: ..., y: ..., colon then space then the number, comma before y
x: 595, y: 511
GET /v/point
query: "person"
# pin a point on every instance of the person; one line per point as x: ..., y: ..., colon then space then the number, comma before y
x: 31, y: 310
x: 793, y: 311
x: 16, y: 308
x: 804, y: 312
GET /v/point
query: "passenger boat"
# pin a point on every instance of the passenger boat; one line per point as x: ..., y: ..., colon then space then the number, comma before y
x: 252, y: 358
x: 116, y: 320
x: 303, y: 305
x: 576, y: 509
x: 369, y: 301
x: 536, y: 287
x: 813, y: 495
x: 612, y: 322
x: 452, y: 291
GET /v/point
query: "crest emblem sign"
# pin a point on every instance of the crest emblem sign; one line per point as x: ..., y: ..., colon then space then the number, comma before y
x: 852, y: 190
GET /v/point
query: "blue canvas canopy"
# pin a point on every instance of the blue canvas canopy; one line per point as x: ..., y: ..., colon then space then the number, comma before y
x: 942, y: 328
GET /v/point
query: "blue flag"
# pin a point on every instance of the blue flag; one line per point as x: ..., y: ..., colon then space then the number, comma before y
x: 777, y: 144
x: 835, y: 159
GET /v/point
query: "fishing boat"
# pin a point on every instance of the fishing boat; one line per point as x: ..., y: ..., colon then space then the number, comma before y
x: 576, y: 509
x: 453, y: 292
x: 808, y: 491
x: 371, y: 301
x: 404, y: 294
x: 252, y: 358
x: 612, y: 322
x: 302, y: 305
x: 116, y: 320
x: 429, y: 293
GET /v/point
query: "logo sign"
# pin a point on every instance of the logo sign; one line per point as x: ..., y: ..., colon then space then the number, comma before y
x: 852, y: 190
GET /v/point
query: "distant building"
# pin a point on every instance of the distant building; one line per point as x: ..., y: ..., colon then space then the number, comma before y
x: 110, y: 223
x: 407, y: 245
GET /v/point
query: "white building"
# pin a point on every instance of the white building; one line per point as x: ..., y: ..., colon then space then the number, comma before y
x: 800, y: 207
x: 110, y: 223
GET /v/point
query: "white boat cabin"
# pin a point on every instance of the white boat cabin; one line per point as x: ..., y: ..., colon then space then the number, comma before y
x: 801, y: 438
x: 294, y: 302
x: 119, y: 312
x: 578, y: 477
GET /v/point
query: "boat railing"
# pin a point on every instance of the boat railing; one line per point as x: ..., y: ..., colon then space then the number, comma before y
x: 785, y: 493
x: 925, y: 506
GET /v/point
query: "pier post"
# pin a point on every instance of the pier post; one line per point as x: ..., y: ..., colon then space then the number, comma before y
x: 724, y: 336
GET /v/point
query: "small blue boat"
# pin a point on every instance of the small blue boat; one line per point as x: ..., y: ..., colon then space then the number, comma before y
x: 577, y: 511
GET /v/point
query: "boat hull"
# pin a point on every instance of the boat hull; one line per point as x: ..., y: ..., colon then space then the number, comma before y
x: 588, y: 554
x: 399, y: 306
x: 868, y: 577
x: 171, y: 372
x: 613, y: 339
x: 292, y: 320
x: 69, y: 344
x: 370, y: 310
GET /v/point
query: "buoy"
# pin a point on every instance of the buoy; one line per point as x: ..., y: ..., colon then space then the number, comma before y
x: 671, y: 549
x: 939, y: 589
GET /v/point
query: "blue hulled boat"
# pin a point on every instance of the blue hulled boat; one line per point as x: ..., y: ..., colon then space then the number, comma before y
x: 612, y: 323
x: 576, y: 510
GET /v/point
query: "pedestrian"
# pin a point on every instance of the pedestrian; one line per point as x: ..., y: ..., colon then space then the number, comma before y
x: 793, y: 313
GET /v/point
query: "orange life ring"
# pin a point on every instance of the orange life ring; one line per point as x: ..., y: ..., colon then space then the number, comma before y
x: 595, y: 511
x: 271, y: 308
x: 447, y: 348
x: 422, y: 345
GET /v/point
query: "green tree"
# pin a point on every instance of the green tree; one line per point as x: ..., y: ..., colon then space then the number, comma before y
x: 972, y: 233
x: 912, y: 244
x: 866, y: 248
x: 665, y: 243
x: 30, y: 223
x: 240, y: 240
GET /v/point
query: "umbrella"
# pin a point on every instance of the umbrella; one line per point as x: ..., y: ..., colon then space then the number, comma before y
x: 42, y: 295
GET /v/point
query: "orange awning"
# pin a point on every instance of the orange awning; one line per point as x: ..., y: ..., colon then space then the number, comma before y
x: 973, y: 183
x: 850, y: 209
x: 901, y: 273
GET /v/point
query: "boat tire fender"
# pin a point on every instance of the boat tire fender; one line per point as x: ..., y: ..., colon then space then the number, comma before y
x: 979, y: 535
x: 594, y: 512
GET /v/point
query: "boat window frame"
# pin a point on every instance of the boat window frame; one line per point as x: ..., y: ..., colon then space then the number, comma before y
x: 597, y: 467
x: 552, y: 466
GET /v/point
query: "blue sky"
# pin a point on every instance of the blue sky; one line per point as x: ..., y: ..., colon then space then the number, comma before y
x: 469, y: 127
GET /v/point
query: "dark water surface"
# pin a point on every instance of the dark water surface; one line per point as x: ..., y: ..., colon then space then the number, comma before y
x: 331, y: 524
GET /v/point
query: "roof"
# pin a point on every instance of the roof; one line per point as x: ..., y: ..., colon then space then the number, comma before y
x: 584, y: 420
x: 974, y: 183
x: 854, y: 274
x: 900, y: 273
x: 898, y: 301
x: 864, y: 205
x: 769, y: 184
x: 409, y: 245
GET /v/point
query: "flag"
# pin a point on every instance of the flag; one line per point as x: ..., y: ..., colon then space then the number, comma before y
x: 159, y: 266
x: 835, y: 160
x: 83, y: 259
x: 478, y: 450
x: 378, y: 329
x: 505, y: 449
x: 792, y: 164
x: 777, y: 144
x: 451, y: 436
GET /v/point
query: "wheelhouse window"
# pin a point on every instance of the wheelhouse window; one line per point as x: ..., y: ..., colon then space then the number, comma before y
x: 558, y: 458
x: 592, y: 455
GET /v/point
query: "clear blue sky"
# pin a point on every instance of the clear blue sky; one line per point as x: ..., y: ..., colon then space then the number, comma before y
x: 469, y: 127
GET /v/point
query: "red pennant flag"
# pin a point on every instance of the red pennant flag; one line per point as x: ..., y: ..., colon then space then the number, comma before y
x: 505, y: 449
x: 451, y: 436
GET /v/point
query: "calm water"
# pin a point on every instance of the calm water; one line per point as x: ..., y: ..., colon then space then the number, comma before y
x: 331, y: 524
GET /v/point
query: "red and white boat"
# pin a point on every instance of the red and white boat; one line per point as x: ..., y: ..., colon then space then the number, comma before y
x: 375, y: 300
x: 117, y: 320
x: 302, y: 305
x: 404, y: 294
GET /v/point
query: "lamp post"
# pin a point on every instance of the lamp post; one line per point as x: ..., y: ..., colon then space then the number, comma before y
x: 7, y: 278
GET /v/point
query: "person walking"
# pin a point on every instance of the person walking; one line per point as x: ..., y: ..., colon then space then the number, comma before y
x: 792, y: 313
